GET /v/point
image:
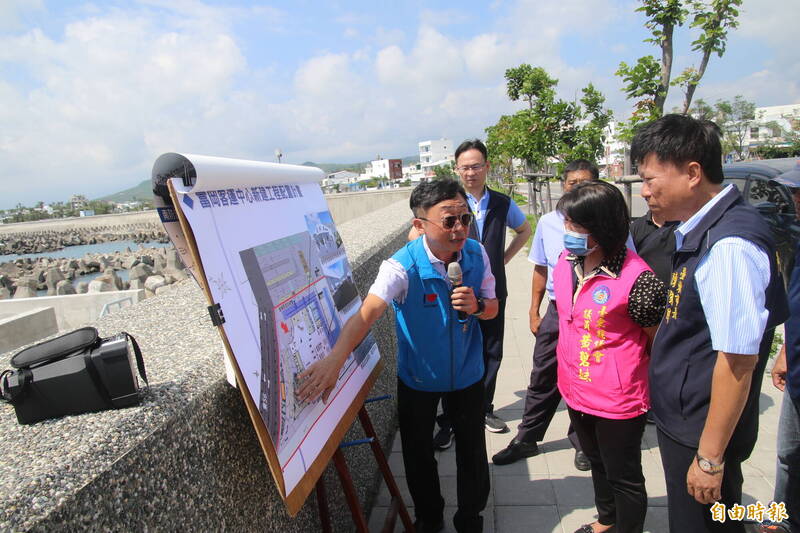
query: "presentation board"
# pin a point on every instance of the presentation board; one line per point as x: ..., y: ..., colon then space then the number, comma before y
x: 259, y: 239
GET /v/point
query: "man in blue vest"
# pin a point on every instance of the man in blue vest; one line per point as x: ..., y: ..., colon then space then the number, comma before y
x: 725, y: 298
x: 439, y: 350
x: 494, y: 213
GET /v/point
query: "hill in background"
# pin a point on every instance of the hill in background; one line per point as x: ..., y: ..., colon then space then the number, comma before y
x: 144, y: 192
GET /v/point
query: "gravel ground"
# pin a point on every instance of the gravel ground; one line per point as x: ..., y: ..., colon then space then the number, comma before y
x: 44, y: 464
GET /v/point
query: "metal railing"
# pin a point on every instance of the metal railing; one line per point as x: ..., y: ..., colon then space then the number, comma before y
x: 539, y: 201
x: 627, y: 184
x: 117, y: 304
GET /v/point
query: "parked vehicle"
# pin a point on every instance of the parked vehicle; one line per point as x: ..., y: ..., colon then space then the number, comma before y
x: 768, y: 185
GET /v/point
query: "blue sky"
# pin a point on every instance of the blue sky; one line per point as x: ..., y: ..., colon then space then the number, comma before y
x: 92, y: 93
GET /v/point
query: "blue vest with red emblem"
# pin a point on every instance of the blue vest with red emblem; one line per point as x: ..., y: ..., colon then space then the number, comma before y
x: 435, y: 351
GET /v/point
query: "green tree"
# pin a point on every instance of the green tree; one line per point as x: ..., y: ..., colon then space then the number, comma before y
x: 444, y: 172
x: 714, y: 19
x: 648, y: 79
x: 550, y: 128
x: 735, y: 119
x: 701, y: 110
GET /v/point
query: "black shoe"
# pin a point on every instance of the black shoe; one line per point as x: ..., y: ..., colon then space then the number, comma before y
x: 515, y: 451
x: 425, y: 526
x: 443, y: 438
x: 495, y: 424
x: 587, y: 528
x: 582, y: 462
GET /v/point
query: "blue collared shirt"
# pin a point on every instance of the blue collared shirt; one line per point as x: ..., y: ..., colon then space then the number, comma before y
x: 480, y: 208
x: 731, y: 280
x: 547, y: 245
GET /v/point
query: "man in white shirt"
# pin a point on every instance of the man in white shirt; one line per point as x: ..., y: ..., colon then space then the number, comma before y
x: 439, y: 352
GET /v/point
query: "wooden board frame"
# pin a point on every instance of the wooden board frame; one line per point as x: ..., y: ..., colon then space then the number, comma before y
x: 297, y: 497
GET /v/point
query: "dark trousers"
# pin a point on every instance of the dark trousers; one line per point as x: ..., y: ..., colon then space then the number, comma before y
x: 543, y: 397
x: 492, y: 331
x: 686, y: 513
x: 417, y: 413
x: 613, y: 447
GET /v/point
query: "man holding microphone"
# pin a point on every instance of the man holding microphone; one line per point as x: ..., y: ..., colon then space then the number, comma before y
x: 439, y: 352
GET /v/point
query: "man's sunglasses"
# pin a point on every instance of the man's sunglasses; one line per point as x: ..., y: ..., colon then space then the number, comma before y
x: 449, y: 222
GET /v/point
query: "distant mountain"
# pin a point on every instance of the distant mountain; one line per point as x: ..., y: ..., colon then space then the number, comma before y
x: 144, y: 191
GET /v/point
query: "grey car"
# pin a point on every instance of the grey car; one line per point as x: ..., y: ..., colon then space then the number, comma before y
x: 769, y: 186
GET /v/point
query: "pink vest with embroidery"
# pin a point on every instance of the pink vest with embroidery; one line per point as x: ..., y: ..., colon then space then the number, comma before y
x: 602, y: 352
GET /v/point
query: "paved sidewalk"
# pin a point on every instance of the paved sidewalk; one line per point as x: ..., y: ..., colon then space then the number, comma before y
x: 546, y: 493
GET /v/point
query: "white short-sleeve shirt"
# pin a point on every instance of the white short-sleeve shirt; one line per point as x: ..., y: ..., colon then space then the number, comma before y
x: 391, y: 284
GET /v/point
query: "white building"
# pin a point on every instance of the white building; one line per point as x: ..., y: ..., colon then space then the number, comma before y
x: 785, y: 117
x: 612, y: 162
x: 435, y: 154
x: 343, y: 180
x: 339, y: 178
x: 78, y: 201
x: 414, y: 173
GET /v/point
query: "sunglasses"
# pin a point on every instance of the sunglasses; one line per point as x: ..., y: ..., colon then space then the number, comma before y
x: 449, y: 222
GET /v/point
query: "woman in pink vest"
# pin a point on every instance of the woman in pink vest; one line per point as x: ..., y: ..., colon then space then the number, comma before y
x: 609, y: 305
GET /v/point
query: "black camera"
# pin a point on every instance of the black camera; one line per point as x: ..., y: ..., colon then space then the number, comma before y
x: 72, y: 374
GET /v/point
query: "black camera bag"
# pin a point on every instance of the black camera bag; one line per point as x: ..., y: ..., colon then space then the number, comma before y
x: 75, y: 373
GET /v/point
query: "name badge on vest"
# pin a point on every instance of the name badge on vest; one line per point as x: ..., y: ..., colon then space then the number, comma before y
x: 430, y: 300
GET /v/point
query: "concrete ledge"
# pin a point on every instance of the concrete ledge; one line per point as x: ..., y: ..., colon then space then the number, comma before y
x: 187, y: 458
x: 348, y: 206
x: 74, y: 310
x: 343, y: 207
x: 27, y: 327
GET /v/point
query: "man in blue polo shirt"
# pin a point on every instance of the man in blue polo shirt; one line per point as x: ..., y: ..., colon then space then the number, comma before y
x: 725, y: 298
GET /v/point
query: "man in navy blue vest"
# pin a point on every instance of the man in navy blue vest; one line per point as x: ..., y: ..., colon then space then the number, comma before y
x: 725, y: 298
x: 786, y: 377
x: 494, y: 212
x: 439, y: 350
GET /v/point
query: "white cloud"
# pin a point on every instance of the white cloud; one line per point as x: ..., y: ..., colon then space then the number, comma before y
x: 99, y: 93
x: 13, y: 12
x: 98, y: 101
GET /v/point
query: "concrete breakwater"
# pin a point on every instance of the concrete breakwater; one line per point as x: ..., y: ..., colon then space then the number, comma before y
x: 148, y: 268
x: 49, y: 240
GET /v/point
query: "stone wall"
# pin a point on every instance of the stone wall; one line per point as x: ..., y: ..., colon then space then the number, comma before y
x: 187, y: 458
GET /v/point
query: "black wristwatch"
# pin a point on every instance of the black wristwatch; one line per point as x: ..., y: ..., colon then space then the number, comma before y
x: 481, y: 307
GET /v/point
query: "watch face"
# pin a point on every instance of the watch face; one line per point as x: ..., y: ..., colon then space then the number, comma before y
x: 704, y: 465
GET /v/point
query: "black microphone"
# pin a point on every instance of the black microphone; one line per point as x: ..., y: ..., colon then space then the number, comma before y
x: 455, y: 276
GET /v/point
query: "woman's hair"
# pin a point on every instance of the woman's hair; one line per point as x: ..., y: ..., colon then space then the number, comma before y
x: 599, y: 207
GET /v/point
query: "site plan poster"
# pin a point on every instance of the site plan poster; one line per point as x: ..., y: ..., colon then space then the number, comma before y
x: 274, y: 262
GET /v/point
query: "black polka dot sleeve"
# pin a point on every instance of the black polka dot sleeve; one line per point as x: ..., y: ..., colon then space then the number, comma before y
x: 647, y: 300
